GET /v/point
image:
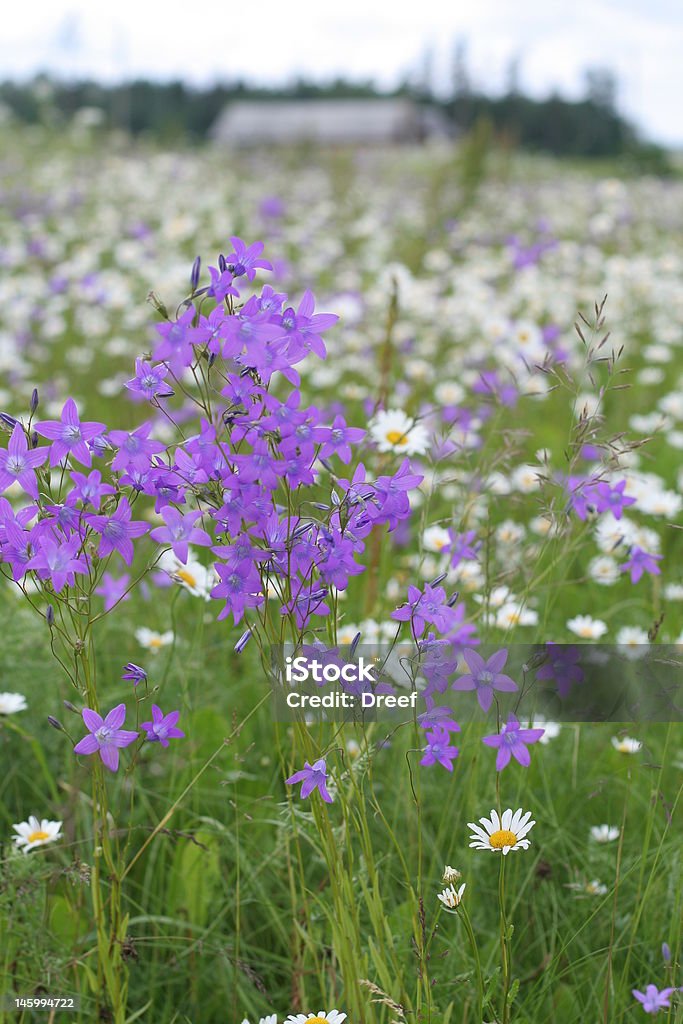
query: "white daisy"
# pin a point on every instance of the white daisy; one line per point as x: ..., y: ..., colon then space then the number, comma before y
x: 605, y: 833
x: 270, y: 1019
x: 192, y: 575
x: 153, y: 641
x: 502, y: 833
x: 435, y: 538
x: 587, y: 627
x: 469, y: 575
x: 525, y: 478
x: 603, y: 570
x: 331, y: 1017
x: 353, y: 749
x: 514, y: 614
x: 451, y: 897
x: 449, y: 392
x: 626, y: 745
x: 395, y: 431
x: 528, y: 340
x: 592, y: 888
x: 541, y: 525
x: 510, y: 532
x: 633, y: 642
x: 33, y: 833
x: 10, y: 703
x: 497, y: 598
x: 346, y: 634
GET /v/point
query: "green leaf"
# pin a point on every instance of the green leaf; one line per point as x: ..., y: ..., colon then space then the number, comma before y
x: 66, y: 924
x: 195, y: 876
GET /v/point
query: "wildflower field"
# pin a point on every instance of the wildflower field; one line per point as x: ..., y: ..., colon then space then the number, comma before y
x: 403, y: 427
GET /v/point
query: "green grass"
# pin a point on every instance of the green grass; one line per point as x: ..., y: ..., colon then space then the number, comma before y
x: 247, y: 900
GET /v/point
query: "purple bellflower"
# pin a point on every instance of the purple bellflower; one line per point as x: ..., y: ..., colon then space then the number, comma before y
x: 117, y: 531
x: 162, y: 728
x: 439, y: 749
x: 485, y: 676
x: 653, y: 1000
x: 179, y: 531
x: 312, y: 777
x: 105, y: 735
x: 512, y: 741
x: 69, y: 436
x: 18, y: 463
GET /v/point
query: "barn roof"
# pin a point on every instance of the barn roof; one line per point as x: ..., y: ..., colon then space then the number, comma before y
x: 350, y: 120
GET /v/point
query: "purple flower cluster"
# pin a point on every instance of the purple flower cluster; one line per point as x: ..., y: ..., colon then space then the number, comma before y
x: 231, y: 486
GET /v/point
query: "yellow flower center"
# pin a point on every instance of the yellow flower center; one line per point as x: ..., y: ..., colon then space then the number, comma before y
x: 317, y: 1020
x: 187, y: 577
x: 393, y: 437
x: 38, y: 836
x: 503, y: 837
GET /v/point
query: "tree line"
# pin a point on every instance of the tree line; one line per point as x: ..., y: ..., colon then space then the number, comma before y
x: 590, y: 126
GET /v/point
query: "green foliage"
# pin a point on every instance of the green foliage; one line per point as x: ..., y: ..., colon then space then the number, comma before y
x: 590, y: 127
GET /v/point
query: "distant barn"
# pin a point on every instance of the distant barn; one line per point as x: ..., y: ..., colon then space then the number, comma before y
x: 326, y: 122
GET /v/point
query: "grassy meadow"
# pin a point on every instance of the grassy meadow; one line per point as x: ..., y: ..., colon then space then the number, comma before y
x: 194, y: 884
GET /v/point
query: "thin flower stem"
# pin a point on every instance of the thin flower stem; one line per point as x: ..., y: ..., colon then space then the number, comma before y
x: 193, y: 781
x: 477, y: 963
x: 504, y: 944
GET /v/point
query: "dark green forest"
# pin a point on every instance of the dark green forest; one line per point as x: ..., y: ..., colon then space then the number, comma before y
x: 590, y: 126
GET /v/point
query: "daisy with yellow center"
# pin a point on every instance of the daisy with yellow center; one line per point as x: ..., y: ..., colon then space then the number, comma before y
x: 191, y: 575
x: 331, y: 1017
x: 33, y: 833
x: 502, y: 833
x: 394, y: 431
x: 153, y: 641
x: 626, y: 744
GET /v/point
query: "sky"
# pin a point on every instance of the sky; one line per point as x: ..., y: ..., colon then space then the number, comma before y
x: 272, y: 41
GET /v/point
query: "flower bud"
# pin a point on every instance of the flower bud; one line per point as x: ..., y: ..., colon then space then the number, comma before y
x: 242, y: 642
x: 55, y: 723
x: 194, y: 276
x: 50, y: 616
x: 35, y: 401
x: 451, y: 874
